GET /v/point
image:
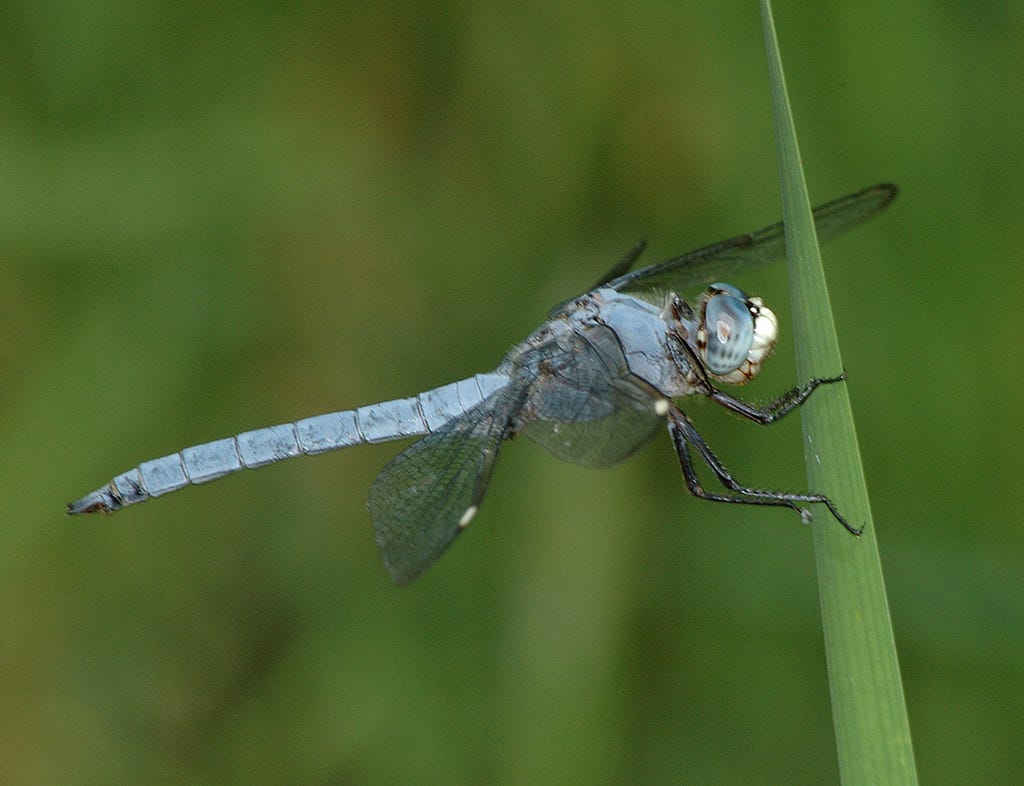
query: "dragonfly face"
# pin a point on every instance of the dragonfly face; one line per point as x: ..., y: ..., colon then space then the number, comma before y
x: 736, y: 335
x: 591, y: 384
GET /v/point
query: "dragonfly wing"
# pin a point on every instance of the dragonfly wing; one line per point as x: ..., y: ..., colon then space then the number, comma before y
x: 745, y: 252
x: 617, y: 270
x: 426, y: 495
x: 623, y: 266
x: 584, y: 405
x: 599, y: 441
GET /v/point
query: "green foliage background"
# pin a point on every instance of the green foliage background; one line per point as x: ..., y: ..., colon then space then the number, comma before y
x: 216, y: 217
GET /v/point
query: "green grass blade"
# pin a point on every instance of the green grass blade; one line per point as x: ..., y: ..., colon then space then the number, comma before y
x: 868, y: 709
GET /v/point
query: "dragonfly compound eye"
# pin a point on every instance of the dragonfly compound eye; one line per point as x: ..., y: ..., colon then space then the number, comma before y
x: 730, y: 329
x: 738, y: 333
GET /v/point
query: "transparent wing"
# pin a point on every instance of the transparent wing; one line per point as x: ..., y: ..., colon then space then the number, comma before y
x: 585, y: 407
x: 721, y: 260
x: 617, y: 270
x: 598, y: 442
x: 623, y: 266
x: 427, y: 494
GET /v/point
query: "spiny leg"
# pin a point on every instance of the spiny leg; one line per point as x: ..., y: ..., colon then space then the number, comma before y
x: 776, y: 409
x: 693, y: 482
x: 685, y: 357
x: 684, y: 435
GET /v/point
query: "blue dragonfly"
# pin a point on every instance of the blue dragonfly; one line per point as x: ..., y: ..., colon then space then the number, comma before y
x: 592, y: 384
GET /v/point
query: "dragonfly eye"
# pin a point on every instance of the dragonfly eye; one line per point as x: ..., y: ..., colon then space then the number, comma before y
x: 737, y: 333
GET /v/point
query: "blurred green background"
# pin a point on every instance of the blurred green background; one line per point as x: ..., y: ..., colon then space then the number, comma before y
x: 215, y: 217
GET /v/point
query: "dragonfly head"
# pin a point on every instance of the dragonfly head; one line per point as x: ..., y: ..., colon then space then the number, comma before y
x: 736, y: 335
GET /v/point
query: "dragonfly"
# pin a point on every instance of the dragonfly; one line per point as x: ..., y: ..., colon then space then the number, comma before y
x: 592, y: 384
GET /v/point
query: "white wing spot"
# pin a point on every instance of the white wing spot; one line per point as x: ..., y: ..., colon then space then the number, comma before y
x: 661, y: 407
x: 468, y: 515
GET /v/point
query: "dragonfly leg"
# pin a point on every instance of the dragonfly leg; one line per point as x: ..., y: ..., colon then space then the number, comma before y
x: 684, y: 436
x: 776, y: 409
x: 685, y: 357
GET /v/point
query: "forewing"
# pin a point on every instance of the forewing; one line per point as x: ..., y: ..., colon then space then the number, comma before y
x: 722, y: 260
x: 426, y: 495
